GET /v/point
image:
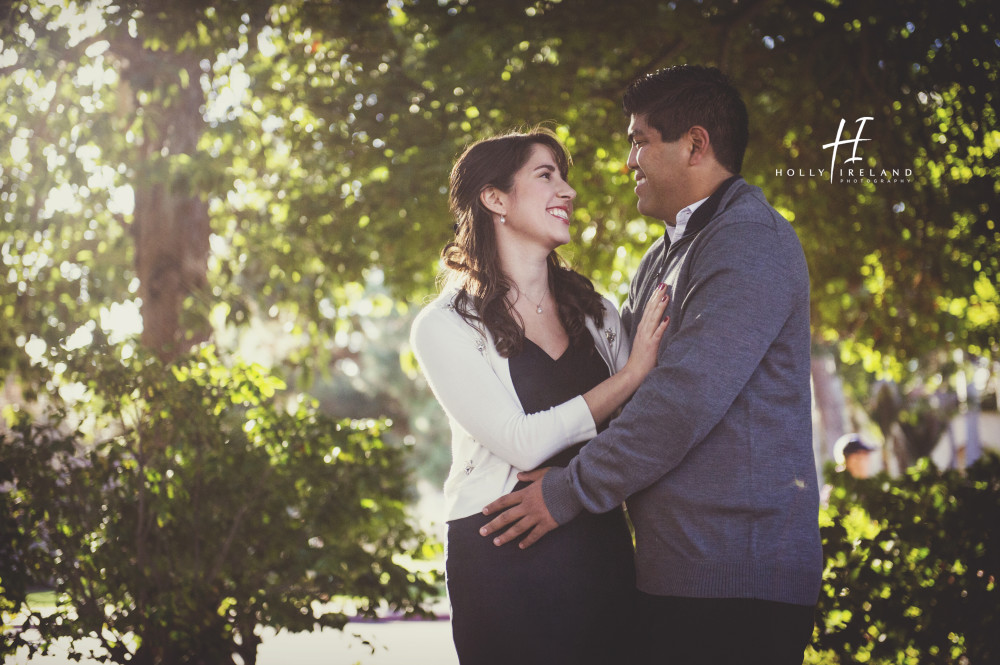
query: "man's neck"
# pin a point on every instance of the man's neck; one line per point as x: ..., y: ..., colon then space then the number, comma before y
x: 705, y: 187
x: 702, y: 188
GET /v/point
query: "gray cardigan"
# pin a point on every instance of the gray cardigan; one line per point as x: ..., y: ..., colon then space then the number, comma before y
x: 714, y: 451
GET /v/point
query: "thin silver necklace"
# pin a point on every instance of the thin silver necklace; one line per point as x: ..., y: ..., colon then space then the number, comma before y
x: 538, y: 305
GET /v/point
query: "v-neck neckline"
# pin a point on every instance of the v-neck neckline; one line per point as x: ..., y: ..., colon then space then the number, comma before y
x: 546, y: 353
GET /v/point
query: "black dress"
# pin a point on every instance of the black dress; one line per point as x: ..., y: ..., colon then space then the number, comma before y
x: 570, y: 597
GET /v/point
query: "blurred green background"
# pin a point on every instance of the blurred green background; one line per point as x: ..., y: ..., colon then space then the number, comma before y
x: 217, y: 220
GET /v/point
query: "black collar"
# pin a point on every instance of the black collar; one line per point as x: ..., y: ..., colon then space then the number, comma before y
x: 706, y: 211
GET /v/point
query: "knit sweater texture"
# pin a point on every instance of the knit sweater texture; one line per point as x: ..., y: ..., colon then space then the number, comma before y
x: 714, y: 451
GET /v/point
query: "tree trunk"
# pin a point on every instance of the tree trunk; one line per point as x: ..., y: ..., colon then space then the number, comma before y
x: 171, y: 223
x: 171, y: 259
x: 828, y: 394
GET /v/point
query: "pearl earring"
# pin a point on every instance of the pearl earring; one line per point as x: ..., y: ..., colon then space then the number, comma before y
x: 503, y: 220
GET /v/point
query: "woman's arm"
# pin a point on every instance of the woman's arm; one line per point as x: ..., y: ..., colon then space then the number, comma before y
x: 471, y: 393
x: 453, y: 361
x: 606, y: 397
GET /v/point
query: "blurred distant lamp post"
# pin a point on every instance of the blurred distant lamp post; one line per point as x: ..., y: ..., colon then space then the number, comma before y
x: 968, y: 399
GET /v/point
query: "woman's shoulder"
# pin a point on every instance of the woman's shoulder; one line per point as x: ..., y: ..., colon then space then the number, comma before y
x: 611, y: 315
x: 440, y: 306
x: 611, y: 322
x: 439, y: 316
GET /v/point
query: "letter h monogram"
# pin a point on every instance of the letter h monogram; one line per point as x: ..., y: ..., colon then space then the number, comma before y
x: 857, y: 139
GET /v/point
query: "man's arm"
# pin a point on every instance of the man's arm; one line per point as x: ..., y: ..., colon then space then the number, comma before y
x: 744, y: 283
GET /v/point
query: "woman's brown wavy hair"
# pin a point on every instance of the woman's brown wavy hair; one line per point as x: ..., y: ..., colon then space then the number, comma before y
x: 473, y: 262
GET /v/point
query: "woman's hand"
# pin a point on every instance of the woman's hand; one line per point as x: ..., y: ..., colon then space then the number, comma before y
x: 646, y: 343
x: 609, y: 395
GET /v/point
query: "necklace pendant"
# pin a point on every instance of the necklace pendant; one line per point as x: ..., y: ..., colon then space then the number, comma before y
x: 539, y: 309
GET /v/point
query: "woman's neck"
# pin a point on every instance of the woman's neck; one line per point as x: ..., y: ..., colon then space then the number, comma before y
x: 529, y: 280
x: 526, y: 265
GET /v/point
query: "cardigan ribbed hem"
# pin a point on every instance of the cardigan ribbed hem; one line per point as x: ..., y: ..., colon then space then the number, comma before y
x: 785, y: 582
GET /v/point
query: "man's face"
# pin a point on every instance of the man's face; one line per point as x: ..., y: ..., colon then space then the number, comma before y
x: 661, y: 171
x: 857, y: 464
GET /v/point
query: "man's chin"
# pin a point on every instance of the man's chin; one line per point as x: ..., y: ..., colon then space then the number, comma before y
x: 646, y: 209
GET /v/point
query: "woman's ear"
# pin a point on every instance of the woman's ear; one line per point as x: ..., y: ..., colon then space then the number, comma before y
x: 493, y: 200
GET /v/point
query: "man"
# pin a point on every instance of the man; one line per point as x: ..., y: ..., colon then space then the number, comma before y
x: 714, y: 451
x: 853, y: 455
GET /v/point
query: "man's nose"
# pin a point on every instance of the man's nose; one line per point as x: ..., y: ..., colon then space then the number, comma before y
x: 631, y: 163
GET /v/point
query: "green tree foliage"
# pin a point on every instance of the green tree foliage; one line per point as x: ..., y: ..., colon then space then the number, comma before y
x: 249, y: 164
x: 897, y: 266
x: 912, y: 567
x: 320, y: 135
x: 257, y: 512
x: 376, y: 380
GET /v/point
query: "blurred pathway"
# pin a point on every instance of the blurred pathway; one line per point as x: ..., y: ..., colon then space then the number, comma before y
x: 394, y: 643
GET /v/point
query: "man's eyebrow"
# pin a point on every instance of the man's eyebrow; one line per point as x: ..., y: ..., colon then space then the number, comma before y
x: 634, y: 133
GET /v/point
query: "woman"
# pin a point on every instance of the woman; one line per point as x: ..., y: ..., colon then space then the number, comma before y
x: 528, y: 362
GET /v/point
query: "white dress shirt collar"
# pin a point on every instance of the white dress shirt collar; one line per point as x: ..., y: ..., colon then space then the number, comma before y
x: 677, y: 231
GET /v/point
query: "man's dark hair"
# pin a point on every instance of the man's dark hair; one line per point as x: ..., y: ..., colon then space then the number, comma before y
x: 678, y: 98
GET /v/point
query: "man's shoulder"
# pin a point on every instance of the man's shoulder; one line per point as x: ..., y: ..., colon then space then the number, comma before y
x: 747, y: 203
x: 746, y: 223
x: 750, y: 211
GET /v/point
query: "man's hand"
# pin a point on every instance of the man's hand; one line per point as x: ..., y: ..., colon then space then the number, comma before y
x: 526, y: 513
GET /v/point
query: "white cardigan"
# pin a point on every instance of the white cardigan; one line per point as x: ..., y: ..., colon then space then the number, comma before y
x: 492, y: 439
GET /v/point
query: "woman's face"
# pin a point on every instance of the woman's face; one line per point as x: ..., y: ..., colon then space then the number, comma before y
x: 540, y: 202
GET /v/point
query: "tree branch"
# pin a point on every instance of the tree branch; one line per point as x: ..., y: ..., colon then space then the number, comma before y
x: 739, y: 18
x: 665, y: 53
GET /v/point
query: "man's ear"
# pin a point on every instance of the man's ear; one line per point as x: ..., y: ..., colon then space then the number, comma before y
x: 701, y: 144
x: 493, y: 200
